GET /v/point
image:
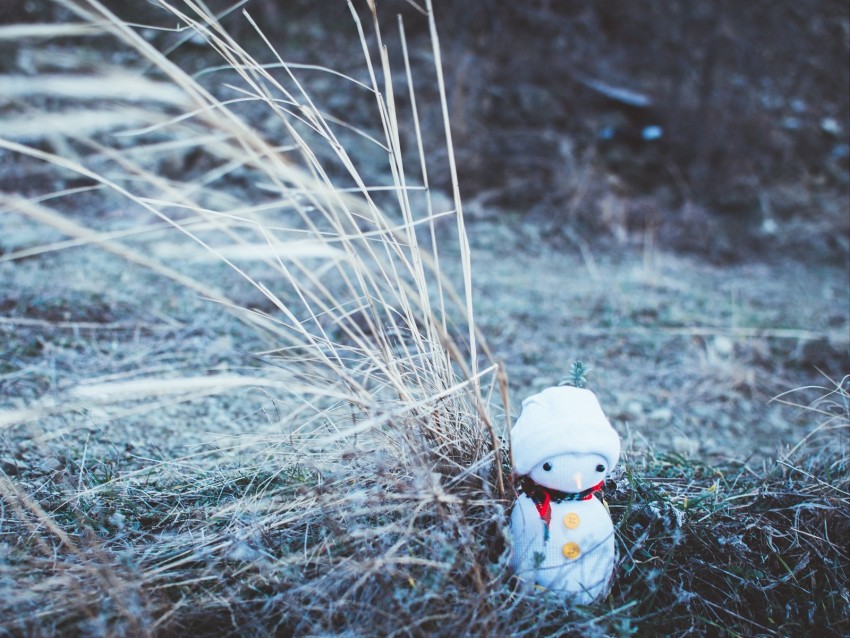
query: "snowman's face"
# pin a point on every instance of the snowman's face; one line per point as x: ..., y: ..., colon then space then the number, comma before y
x: 570, y: 472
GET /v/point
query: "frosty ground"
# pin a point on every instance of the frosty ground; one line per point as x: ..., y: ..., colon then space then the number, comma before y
x: 170, y: 465
x: 687, y: 356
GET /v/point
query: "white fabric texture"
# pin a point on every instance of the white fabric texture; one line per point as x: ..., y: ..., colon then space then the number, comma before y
x: 539, y: 557
x: 562, y: 420
x: 570, y: 472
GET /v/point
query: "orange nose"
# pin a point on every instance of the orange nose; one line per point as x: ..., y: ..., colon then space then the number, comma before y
x: 577, y: 479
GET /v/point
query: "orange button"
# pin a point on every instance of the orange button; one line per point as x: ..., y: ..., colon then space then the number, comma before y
x: 571, y: 520
x: 571, y: 550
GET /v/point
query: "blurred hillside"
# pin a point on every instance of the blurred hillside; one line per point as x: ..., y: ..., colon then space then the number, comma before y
x: 708, y: 126
x: 717, y: 126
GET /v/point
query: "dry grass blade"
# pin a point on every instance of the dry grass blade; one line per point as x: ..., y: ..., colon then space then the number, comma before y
x: 107, y: 87
x: 15, y: 32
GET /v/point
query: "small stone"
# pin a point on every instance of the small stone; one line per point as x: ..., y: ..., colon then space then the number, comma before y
x: 50, y: 464
x: 661, y: 414
x: 769, y: 226
x: 830, y: 126
x: 723, y: 346
x: 9, y: 466
x: 791, y: 123
x: 685, y: 444
x: 652, y: 133
x: 634, y: 409
x: 798, y: 105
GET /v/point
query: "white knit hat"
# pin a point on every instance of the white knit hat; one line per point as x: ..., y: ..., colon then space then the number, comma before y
x: 562, y: 420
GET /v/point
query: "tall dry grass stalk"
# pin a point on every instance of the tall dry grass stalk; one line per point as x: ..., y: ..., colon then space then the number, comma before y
x: 388, y: 473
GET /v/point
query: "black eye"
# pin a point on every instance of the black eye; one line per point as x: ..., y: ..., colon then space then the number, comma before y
x: 547, y: 466
x: 600, y: 468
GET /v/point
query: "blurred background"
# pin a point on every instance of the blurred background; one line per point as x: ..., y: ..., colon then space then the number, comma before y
x: 658, y: 188
x: 717, y: 127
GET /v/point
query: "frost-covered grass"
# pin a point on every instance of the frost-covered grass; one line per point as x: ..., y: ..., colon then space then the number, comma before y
x: 413, y: 544
x: 731, y: 549
x: 372, y: 497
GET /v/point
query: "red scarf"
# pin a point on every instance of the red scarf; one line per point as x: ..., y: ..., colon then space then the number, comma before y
x: 543, y: 497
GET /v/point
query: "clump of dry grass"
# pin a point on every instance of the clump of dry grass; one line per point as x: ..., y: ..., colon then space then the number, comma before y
x: 377, y: 504
x: 385, y: 477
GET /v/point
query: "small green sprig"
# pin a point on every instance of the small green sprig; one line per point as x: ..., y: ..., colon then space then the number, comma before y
x: 578, y: 375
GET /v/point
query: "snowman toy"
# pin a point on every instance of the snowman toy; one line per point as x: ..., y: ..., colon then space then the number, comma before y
x: 563, y: 537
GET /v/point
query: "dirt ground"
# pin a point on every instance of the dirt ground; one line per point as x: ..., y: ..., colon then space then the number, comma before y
x: 687, y: 357
x: 687, y: 354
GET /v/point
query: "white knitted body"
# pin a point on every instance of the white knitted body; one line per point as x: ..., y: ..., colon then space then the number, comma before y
x: 542, y: 562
